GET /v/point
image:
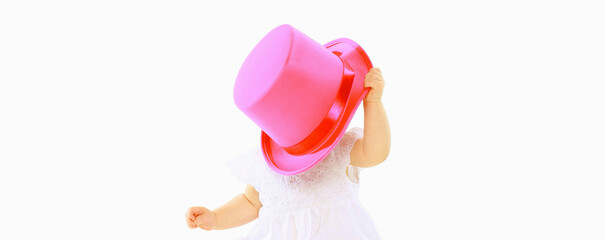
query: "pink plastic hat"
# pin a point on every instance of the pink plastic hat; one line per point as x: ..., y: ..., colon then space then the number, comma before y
x: 301, y: 94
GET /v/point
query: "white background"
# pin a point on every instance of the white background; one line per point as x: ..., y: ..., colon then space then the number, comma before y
x: 117, y: 116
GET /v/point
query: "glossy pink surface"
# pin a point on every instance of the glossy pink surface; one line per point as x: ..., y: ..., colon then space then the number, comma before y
x: 301, y: 94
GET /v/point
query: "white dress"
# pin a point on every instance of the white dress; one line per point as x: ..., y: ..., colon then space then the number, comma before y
x: 320, y: 203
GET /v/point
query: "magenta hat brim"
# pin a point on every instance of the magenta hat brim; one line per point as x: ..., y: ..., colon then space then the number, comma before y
x: 287, y: 164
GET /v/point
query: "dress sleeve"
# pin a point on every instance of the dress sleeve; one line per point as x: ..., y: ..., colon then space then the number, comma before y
x: 348, y: 141
x: 242, y: 166
x: 346, y: 145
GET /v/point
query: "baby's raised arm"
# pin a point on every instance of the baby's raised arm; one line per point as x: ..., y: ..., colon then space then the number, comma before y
x: 375, y: 145
x: 242, y: 209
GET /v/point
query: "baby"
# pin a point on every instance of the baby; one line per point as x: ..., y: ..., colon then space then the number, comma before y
x: 320, y: 203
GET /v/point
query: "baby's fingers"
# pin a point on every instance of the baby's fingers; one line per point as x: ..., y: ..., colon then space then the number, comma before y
x: 191, y: 223
x: 190, y: 218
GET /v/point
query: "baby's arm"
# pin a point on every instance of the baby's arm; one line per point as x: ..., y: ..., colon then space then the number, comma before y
x: 242, y: 209
x: 375, y: 145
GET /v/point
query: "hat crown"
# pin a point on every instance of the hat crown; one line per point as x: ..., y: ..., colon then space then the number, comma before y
x: 287, y: 84
x: 262, y: 66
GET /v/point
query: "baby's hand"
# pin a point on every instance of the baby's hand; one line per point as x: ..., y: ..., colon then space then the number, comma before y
x: 200, y: 217
x: 375, y: 81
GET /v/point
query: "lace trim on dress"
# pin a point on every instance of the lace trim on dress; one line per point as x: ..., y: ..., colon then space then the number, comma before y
x: 347, y: 143
x: 242, y: 166
x: 325, y: 181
